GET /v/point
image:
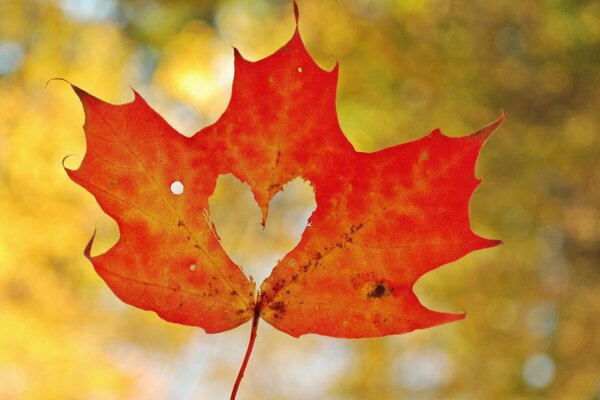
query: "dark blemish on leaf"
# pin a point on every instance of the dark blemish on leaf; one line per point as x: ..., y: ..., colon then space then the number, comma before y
x: 355, y: 228
x: 279, y: 308
x: 377, y: 320
x: 278, y: 285
x: 233, y: 293
x: 378, y: 291
x: 179, y: 223
x: 111, y: 183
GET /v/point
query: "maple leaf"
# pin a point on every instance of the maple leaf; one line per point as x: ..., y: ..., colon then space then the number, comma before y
x: 382, y: 220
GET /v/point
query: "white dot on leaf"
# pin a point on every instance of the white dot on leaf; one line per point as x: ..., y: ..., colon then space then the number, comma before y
x: 300, y: 69
x: 193, y: 267
x: 177, y: 188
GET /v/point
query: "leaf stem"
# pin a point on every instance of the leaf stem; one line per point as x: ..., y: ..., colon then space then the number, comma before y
x: 253, y: 335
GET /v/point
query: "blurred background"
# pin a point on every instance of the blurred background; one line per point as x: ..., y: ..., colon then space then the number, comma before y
x: 407, y: 67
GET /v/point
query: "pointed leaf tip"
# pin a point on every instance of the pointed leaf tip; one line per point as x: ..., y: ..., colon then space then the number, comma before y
x: 78, y: 91
x: 238, y: 57
x: 87, y: 252
x: 488, y: 243
x: 296, y: 13
x: 64, y: 160
x: 484, y: 133
x: 56, y: 79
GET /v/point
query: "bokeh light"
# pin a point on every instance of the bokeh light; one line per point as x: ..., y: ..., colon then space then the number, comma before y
x: 538, y: 371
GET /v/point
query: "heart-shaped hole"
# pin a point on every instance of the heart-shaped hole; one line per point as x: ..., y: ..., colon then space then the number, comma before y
x: 237, y: 219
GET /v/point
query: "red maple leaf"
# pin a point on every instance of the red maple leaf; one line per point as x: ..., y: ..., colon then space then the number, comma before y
x: 383, y: 219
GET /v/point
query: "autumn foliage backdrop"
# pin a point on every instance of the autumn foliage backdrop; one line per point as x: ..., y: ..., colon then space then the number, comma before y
x: 407, y: 67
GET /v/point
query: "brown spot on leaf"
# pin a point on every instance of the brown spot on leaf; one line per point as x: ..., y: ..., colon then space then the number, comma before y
x: 279, y: 308
x: 378, y: 291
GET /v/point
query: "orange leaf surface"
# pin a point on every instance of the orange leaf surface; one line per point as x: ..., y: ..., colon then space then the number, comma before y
x: 383, y: 219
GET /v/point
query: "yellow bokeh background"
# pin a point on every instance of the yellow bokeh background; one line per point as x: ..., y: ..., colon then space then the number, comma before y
x: 406, y: 67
